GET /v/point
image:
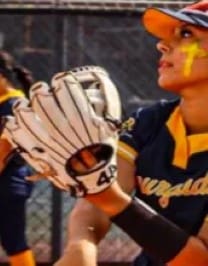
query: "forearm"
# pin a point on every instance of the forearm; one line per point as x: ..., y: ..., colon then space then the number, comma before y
x: 86, y: 226
x: 194, y: 253
x: 80, y: 252
x: 112, y: 200
x: 157, y: 235
x: 161, y: 238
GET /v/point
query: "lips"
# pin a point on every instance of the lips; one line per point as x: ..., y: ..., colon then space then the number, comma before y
x: 163, y: 65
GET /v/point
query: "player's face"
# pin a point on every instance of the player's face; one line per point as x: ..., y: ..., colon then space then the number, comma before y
x: 184, y: 60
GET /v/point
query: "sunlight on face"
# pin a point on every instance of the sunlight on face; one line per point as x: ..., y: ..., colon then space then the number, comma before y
x: 184, y: 60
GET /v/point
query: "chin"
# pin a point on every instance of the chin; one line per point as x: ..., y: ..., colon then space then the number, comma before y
x: 170, y: 88
x: 170, y: 85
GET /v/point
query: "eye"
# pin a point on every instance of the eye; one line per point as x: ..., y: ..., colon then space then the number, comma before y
x: 185, y: 33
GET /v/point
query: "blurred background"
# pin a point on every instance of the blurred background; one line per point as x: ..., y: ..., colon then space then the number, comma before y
x: 55, y: 35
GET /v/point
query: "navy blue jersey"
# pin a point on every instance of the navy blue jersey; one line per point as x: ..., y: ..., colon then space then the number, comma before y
x: 171, y: 166
x: 12, y: 179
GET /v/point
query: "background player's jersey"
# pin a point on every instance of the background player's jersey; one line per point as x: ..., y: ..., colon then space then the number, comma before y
x: 171, y: 167
x: 12, y: 179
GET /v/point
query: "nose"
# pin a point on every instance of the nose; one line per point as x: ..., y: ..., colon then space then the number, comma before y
x: 163, y: 47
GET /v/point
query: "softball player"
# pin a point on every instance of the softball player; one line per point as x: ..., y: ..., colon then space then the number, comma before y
x: 163, y: 158
x: 14, y: 189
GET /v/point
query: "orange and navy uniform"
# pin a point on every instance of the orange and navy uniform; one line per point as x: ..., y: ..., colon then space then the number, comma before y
x: 12, y: 179
x: 171, y: 166
x: 14, y: 191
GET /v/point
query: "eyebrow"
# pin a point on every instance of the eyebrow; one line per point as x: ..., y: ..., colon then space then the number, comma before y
x: 186, y: 24
x: 182, y: 25
x: 198, y: 28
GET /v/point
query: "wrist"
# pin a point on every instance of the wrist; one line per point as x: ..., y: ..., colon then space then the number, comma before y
x: 113, y: 194
x: 161, y: 238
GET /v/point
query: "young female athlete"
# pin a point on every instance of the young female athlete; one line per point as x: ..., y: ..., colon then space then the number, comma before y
x: 162, y: 158
x: 14, y: 189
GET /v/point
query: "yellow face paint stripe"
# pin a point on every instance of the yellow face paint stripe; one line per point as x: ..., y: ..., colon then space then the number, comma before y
x: 192, y: 51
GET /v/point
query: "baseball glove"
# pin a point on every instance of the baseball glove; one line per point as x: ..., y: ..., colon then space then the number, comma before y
x: 68, y: 131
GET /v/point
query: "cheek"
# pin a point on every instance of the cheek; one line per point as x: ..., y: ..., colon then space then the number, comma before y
x: 193, y: 52
x: 180, y: 63
x: 204, y: 46
x: 200, y: 61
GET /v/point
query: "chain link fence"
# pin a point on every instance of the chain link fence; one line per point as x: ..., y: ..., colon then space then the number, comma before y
x: 47, y: 41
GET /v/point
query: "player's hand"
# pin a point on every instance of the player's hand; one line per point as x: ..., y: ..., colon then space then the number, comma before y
x: 68, y: 130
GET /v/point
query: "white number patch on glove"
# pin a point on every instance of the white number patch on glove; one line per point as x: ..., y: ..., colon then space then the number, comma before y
x: 68, y: 131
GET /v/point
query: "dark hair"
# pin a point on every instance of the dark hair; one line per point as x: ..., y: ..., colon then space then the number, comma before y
x: 14, y: 72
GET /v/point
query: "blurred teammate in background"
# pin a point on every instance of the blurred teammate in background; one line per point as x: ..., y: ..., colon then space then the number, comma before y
x: 162, y: 158
x: 14, y: 189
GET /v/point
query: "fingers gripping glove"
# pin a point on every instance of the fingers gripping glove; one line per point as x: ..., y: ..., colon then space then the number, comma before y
x: 69, y: 130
